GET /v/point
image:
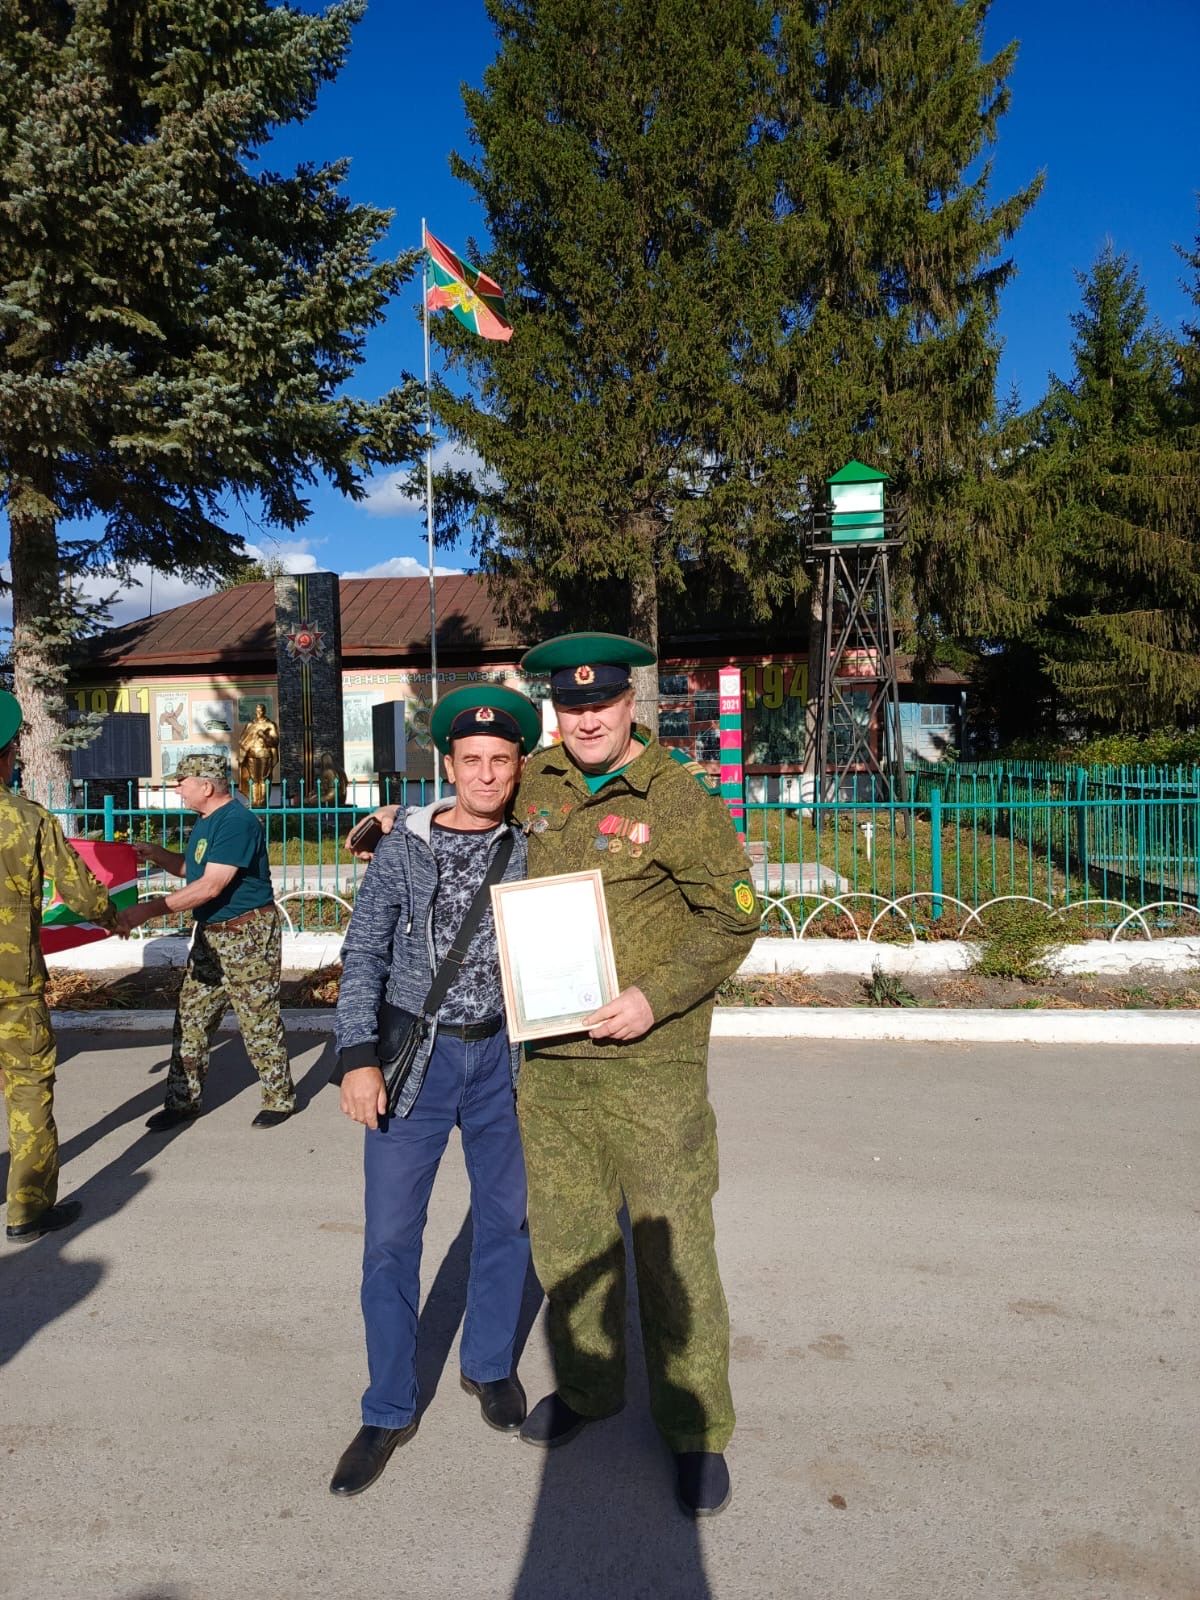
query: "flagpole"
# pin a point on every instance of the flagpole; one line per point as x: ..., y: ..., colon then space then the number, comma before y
x: 433, y: 676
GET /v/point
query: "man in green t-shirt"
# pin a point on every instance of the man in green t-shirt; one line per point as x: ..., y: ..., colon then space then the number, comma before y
x: 236, y: 953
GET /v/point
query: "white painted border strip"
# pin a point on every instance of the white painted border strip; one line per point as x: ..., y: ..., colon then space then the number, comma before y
x: 925, y: 1025
x: 930, y: 1026
x: 304, y: 952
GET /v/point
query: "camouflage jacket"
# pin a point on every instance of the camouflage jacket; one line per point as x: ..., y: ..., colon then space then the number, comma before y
x: 681, y: 908
x: 32, y: 849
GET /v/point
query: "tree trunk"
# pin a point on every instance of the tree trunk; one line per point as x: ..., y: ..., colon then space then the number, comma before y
x: 38, y: 647
x: 643, y: 626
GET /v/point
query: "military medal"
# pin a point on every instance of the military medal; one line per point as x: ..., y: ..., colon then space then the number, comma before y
x: 537, y: 821
x: 614, y: 830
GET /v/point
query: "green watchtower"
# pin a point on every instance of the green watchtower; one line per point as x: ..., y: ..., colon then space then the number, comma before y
x: 859, y: 753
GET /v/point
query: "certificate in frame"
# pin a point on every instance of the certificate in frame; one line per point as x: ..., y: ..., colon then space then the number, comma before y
x: 556, y: 955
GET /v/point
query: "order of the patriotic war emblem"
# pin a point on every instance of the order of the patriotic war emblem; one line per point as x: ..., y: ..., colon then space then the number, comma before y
x: 304, y: 642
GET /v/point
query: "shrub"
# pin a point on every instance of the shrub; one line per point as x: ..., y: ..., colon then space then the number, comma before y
x: 1017, y: 938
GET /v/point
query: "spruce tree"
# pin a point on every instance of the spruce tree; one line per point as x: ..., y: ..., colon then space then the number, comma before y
x: 742, y: 247
x: 890, y: 257
x: 176, y: 323
x: 613, y: 162
x: 1109, y: 485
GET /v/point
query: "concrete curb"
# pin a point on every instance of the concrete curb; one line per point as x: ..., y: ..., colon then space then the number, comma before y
x: 924, y: 1025
x: 304, y: 952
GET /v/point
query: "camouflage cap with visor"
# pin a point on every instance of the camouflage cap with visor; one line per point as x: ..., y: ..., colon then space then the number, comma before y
x: 213, y: 767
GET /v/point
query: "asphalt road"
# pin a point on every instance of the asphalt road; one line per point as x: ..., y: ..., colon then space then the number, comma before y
x: 964, y: 1293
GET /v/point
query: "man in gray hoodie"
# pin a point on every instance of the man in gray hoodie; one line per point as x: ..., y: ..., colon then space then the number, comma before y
x: 411, y: 903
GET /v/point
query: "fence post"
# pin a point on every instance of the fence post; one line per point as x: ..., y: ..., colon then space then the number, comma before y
x: 110, y: 818
x: 1081, y: 829
x: 935, y: 849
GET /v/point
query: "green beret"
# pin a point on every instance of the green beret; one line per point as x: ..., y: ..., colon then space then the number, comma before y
x: 214, y: 767
x: 10, y: 718
x: 487, y: 708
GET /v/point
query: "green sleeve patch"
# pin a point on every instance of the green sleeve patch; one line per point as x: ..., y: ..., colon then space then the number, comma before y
x: 743, y: 893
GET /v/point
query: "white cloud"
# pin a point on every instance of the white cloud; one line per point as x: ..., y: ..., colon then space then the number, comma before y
x: 403, y: 567
x: 391, y: 495
x: 295, y: 556
x: 148, y: 592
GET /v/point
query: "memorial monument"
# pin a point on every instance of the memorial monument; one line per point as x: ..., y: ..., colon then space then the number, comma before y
x: 308, y: 655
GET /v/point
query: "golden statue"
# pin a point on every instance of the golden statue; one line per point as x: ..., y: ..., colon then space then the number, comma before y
x: 256, y: 756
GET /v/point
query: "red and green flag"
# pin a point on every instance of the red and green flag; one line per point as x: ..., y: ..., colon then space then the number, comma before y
x: 452, y: 284
x: 116, y: 867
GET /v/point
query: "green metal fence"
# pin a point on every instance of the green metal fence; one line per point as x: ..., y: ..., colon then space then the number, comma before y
x: 1103, y: 847
x: 315, y: 878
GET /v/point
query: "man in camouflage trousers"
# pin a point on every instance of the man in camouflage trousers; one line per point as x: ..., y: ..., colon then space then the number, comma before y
x: 235, y: 955
x: 625, y: 1111
x: 32, y: 849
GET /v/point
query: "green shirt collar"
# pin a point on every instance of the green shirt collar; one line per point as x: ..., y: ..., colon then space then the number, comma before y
x: 638, y: 773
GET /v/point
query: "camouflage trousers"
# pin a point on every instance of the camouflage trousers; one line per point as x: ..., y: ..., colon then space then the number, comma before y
x: 643, y: 1128
x: 237, y: 967
x: 28, y: 1058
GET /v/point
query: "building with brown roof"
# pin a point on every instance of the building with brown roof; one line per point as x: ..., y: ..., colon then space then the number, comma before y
x: 199, y: 670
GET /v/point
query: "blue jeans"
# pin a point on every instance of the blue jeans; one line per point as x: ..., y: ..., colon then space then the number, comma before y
x: 468, y: 1083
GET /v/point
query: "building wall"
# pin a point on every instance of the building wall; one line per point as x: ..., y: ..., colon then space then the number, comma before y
x: 198, y: 711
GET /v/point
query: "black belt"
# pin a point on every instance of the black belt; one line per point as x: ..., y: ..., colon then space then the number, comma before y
x: 473, y: 1030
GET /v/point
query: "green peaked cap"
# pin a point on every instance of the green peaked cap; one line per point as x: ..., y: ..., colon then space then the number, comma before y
x: 587, y: 650
x: 517, y: 707
x: 10, y: 718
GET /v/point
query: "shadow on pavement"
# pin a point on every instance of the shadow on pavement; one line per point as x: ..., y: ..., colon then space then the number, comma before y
x: 606, y: 1521
x: 137, y: 1106
x: 37, y: 1284
x: 316, y: 1077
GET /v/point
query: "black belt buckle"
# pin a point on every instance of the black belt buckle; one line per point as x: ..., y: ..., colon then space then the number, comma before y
x: 471, y: 1031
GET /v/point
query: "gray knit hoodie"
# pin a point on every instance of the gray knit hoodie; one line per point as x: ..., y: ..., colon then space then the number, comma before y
x: 388, y: 952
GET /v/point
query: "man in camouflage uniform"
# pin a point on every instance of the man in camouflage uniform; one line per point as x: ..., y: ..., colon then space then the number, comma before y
x: 32, y: 849
x: 625, y: 1111
x: 235, y: 955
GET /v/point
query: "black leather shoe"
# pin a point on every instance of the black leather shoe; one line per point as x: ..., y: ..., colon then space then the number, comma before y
x: 553, y: 1422
x: 502, y: 1402
x: 171, y: 1117
x: 47, y: 1221
x: 272, y: 1119
x: 702, y: 1482
x: 365, y: 1457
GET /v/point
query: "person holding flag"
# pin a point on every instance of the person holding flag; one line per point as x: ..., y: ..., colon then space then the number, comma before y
x: 236, y: 952
x: 33, y: 850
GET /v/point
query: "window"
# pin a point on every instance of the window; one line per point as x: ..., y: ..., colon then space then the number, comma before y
x: 707, y: 708
x: 674, y: 685
x: 674, y: 725
x: 937, y: 716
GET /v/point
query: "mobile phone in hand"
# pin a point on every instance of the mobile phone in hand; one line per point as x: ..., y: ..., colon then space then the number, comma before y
x: 363, y: 838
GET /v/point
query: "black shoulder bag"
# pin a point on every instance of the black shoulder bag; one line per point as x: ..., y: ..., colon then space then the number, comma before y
x: 401, y: 1035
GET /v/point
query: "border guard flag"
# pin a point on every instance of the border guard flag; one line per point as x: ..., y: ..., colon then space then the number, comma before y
x: 116, y: 867
x: 452, y: 284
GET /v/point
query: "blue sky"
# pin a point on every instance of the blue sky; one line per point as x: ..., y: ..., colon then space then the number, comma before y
x: 1100, y: 103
